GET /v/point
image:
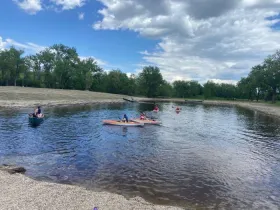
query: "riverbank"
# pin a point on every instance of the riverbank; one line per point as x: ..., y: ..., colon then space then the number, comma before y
x: 268, y: 109
x: 23, y: 97
x: 20, y: 192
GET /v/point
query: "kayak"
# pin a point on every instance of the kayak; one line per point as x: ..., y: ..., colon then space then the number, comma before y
x: 147, y: 121
x: 121, y: 123
x: 156, y: 110
x: 36, y: 120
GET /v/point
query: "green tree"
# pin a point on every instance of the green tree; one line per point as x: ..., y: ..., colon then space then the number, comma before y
x: 65, y: 64
x: 272, y: 74
x: 46, y: 58
x: 84, y: 73
x: 209, y: 89
x: 118, y: 82
x: 149, y: 81
x: 4, y: 67
x: 165, y: 89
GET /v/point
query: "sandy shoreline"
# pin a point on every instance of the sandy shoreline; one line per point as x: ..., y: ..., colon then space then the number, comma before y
x: 18, y: 97
x: 32, y: 104
x: 20, y: 192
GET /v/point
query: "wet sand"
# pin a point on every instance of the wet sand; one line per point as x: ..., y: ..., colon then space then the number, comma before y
x: 20, y: 192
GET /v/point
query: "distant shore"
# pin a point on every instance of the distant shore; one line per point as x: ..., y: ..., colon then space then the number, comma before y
x: 22, y: 97
x: 268, y: 109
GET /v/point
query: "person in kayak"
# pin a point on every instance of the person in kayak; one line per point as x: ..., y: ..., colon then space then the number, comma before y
x: 125, y: 118
x: 37, y: 112
x: 156, y: 108
x: 143, y: 116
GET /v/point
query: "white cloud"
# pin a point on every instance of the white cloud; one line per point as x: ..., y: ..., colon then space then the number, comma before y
x: 81, y: 16
x: 220, y: 81
x: 98, y: 61
x: 198, y: 39
x: 28, y: 47
x: 29, y: 6
x: 2, y: 44
x: 69, y: 4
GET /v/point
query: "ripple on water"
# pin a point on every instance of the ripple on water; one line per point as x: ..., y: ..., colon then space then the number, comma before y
x: 205, y: 156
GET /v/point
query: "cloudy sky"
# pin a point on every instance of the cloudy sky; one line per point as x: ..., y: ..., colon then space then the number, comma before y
x: 188, y: 39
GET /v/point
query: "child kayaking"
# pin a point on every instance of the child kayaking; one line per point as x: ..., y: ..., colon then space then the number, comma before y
x: 143, y: 116
x: 156, y: 108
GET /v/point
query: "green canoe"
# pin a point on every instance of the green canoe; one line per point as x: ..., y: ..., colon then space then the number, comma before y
x: 36, y: 120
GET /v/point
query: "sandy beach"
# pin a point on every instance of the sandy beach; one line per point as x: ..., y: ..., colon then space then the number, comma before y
x: 20, y: 192
x: 22, y: 97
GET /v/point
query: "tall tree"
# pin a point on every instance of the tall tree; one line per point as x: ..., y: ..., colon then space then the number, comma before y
x: 272, y: 74
x: 165, y: 89
x: 118, y: 82
x: 46, y: 58
x: 65, y: 62
x: 84, y: 73
x: 150, y: 80
x: 15, y: 63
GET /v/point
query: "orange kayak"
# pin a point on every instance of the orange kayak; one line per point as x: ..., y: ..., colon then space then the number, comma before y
x: 121, y: 123
x: 147, y: 121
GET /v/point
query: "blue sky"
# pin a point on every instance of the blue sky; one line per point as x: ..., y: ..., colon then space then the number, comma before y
x: 119, y: 49
x: 186, y: 39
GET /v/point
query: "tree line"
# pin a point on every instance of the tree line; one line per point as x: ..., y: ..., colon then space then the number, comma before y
x: 60, y: 67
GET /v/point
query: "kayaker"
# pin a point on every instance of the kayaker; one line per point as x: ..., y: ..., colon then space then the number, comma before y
x: 156, y: 108
x: 125, y: 118
x: 177, y: 109
x: 37, y: 112
x: 142, y: 116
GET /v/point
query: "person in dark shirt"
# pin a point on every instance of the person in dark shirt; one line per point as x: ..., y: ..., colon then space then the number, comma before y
x: 37, y: 112
x: 125, y: 118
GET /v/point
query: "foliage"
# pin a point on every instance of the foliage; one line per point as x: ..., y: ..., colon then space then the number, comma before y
x: 149, y: 81
x: 187, y: 89
x: 60, y: 66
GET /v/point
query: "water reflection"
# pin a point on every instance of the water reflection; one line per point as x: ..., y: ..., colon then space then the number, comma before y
x: 206, y: 156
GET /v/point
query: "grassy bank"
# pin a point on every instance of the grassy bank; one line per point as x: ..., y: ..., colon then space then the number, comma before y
x: 11, y: 97
x: 26, y: 97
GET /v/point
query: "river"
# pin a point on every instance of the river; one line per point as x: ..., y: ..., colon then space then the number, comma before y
x: 204, y: 157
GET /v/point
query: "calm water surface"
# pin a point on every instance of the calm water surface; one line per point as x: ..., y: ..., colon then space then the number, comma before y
x: 204, y: 157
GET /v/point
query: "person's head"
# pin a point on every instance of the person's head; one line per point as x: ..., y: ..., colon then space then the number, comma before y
x: 39, y: 107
